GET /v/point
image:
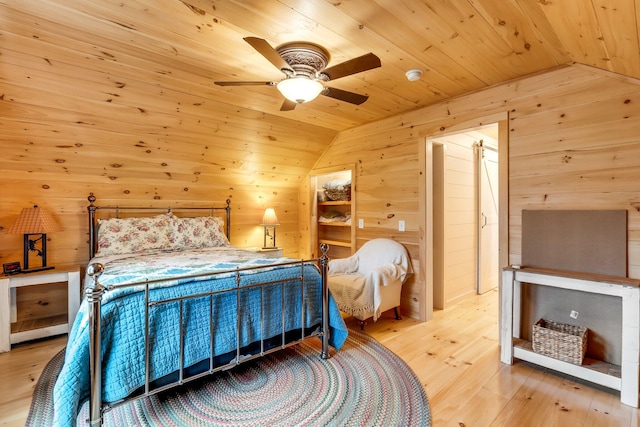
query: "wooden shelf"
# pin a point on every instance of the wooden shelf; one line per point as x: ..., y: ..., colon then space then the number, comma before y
x: 45, y: 322
x: 336, y: 243
x: 335, y: 203
x: 596, y: 371
x: 339, y: 234
x: 335, y: 224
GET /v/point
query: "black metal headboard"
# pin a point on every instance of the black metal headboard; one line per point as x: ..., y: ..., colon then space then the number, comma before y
x: 92, y: 209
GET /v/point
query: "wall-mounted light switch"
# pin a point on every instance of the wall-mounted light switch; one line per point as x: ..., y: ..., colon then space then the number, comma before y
x: 361, y: 223
x: 401, y: 225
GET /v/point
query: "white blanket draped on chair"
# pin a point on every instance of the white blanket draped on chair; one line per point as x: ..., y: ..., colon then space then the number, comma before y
x: 357, y: 282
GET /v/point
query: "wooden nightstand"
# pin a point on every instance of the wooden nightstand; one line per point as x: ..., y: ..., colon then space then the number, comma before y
x: 46, y: 328
x: 268, y: 252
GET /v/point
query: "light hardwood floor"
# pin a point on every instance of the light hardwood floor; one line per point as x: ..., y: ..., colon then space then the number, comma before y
x: 20, y: 369
x: 456, y: 357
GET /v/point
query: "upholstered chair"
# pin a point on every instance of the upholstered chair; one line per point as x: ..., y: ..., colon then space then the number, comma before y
x: 370, y: 281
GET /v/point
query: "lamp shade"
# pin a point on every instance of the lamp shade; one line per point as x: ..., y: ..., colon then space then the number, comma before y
x: 300, y: 89
x: 269, y: 217
x: 34, y: 221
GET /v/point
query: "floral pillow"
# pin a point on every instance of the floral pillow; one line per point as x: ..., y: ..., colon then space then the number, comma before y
x: 133, y: 235
x: 199, y: 232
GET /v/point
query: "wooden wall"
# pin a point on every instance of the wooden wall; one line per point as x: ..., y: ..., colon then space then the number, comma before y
x: 35, y: 174
x: 574, y: 143
x: 91, y: 102
x: 76, y: 121
x: 459, y: 218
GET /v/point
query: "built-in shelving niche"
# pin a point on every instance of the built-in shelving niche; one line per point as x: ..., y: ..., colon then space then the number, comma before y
x: 338, y: 234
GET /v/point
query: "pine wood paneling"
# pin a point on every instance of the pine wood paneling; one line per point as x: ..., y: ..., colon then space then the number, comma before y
x: 566, y: 150
x: 459, y: 277
x: 32, y: 306
x: 184, y: 45
x: 117, y: 97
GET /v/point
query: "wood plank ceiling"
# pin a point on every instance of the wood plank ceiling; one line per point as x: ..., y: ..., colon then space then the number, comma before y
x: 462, y: 45
x: 139, y: 73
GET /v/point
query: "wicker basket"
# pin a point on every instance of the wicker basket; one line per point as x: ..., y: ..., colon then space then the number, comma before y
x: 560, y: 341
x: 338, y: 194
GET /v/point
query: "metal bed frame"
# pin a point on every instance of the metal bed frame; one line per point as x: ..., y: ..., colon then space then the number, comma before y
x: 95, y: 291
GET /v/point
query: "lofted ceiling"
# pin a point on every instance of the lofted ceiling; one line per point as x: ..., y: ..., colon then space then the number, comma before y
x: 461, y: 45
x: 130, y: 82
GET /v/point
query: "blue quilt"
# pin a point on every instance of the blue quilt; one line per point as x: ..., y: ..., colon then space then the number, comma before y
x: 123, y: 363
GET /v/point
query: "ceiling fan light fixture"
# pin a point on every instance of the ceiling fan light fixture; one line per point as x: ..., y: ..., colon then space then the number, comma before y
x: 300, y: 89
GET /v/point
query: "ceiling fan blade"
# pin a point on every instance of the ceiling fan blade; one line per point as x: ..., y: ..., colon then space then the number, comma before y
x: 265, y: 49
x: 288, y: 105
x: 245, y: 83
x: 343, y: 95
x: 353, y: 66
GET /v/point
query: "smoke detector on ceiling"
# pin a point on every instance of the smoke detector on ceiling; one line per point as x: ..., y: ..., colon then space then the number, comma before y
x: 414, y: 75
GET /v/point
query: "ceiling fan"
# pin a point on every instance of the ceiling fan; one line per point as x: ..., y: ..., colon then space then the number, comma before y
x: 304, y: 65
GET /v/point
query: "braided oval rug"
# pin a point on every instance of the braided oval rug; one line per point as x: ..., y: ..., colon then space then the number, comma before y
x: 363, y: 384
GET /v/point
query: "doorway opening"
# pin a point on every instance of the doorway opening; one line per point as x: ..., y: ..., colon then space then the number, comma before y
x: 465, y: 213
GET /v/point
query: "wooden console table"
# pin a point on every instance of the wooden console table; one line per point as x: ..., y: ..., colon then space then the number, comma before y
x: 624, y: 377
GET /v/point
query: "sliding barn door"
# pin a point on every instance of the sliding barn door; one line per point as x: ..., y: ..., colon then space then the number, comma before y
x: 488, y: 264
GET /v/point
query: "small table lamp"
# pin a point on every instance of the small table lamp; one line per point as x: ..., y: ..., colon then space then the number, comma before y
x: 269, y: 221
x: 33, y: 222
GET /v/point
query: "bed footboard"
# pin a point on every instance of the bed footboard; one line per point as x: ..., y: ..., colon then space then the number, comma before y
x: 95, y: 294
x: 324, y: 270
x: 94, y: 298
